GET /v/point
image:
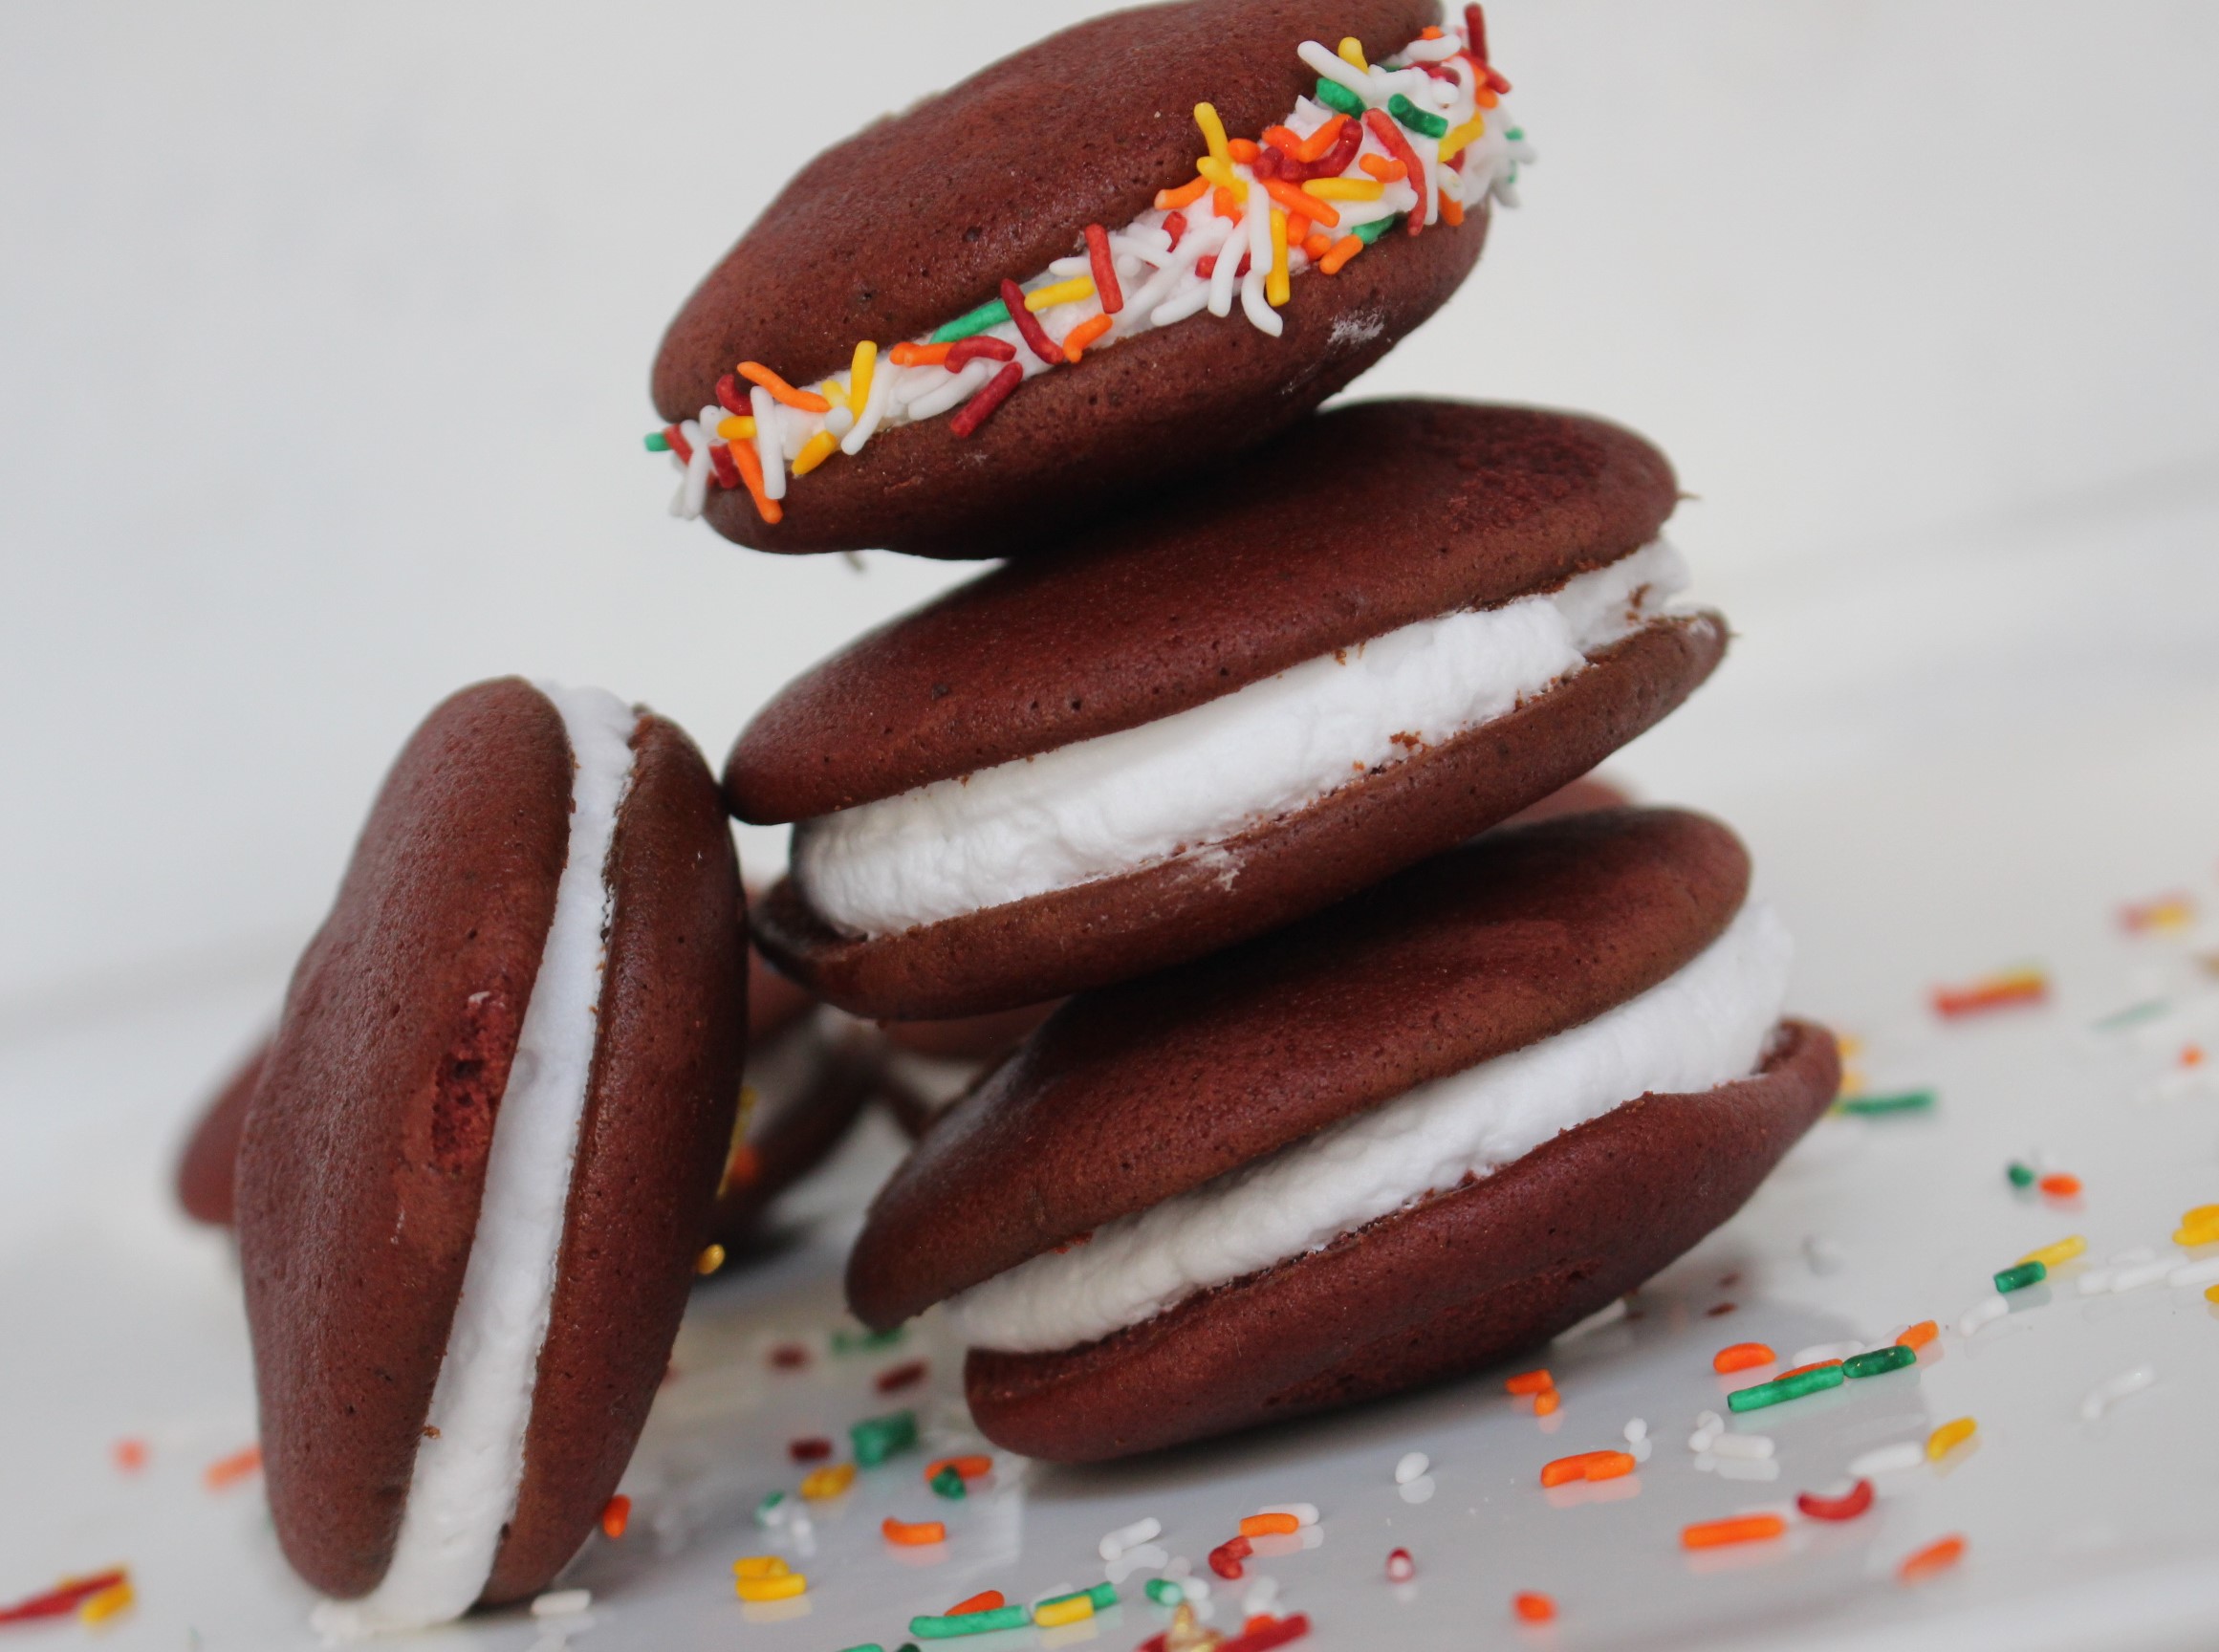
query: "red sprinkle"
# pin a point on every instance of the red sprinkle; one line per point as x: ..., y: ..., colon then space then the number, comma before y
x: 1333, y: 163
x: 678, y: 445
x: 1476, y: 32
x: 731, y: 397
x: 901, y: 1376
x: 1175, y: 226
x: 1847, y: 1507
x: 1106, y: 271
x: 789, y: 1356
x: 964, y: 351
x: 1225, y: 1558
x: 722, y: 461
x: 814, y: 1448
x: 1401, y: 1568
x: 1205, y: 266
x: 976, y: 411
x: 616, y: 1515
x: 61, y: 1599
x: 1277, y: 1632
x: 1028, y: 327
x: 1383, y: 128
x: 131, y: 1455
x: 984, y: 1600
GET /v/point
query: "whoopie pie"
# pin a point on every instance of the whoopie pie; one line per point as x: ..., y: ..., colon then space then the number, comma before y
x: 206, y: 1182
x: 477, y: 1170
x: 1127, y: 253
x: 927, y: 1065
x: 1396, y: 626
x: 1415, y: 1133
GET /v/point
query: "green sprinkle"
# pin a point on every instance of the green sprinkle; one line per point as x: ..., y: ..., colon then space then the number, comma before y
x: 1783, y: 1389
x: 2020, y: 1278
x: 969, y: 1624
x: 1334, y: 95
x: 765, y: 1515
x: 1516, y: 134
x: 1879, y: 1360
x: 1905, y: 1101
x: 1417, y: 119
x: 1367, y: 234
x: 866, y: 1341
x: 2019, y: 1175
x: 991, y: 313
x: 949, y: 1483
x: 867, y: 1646
x: 2148, y: 1009
x: 878, y: 1438
x: 657, y: 443
x: 1164, y: 1592
x: 1105, y: 1596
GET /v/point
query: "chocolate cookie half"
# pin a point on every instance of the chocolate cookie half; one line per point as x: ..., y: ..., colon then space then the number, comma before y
x: 1027, y: 297
x: 477, y: 1170
x: 1398, y: 626
x: 206, y: 1182
x: 928, y: 1066
x: 1413, y: 1134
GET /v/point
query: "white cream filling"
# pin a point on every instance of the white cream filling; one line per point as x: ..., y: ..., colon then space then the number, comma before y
x: 1102, y: 806
x: 471, y: 1461
x: 1703, y: 1026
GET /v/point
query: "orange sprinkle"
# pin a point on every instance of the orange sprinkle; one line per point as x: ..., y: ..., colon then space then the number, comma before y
x: 1295, y: 200
x: 1385, y: 169
x: 1932, y: 1559
x: 752, y: 473
x: 130, y: 1455
x: 1185, y: 195
x: 1221, y: 203
x: 913, y: 1532
x: 1283, y: 139
x: 1314, y: 146
x: 1610, y: 1464
x: 1742, y: 1528
x: 230, y: 1471
x: 1343, y: 250
x: 616, y: 1515
x: 808, y: 401
x: 1546, y: 1401
x: 925, y: 355
x: 984, y: 1600
x: 1534, y: 1607
x: 1432, y: 31
x: 745, y: 1163
x: 1076, y: 341
x: 1451, y: 209
x: 1741, y: 1355
x: 1587, y: 1465
x: 1814, y: 1365
x: 2059, y: 1186
x: 1298, y: 231
x: 1318, y: 245
x: 969, y: 1467
x: 1269, y: 1525
x: 1919, y: 1334
x: 2191, y: 1055
x: 1530, y: 1382
x: 1241, y: 149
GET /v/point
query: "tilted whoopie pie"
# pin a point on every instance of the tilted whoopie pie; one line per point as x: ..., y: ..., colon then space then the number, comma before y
x: 1398, y: 626
x: 477, y: 1171
x: 929, y: 1065
x: 1131, y: 251
x: 1436, y: 1123
x: 205, y: 1180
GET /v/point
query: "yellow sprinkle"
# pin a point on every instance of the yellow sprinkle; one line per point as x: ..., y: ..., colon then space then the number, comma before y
x: 1069, y: 292
x: 1849, y: 1044
x: 782, y: 1588
x: 2063, y: 1251
x: 1212, y: 131
x: 814, y: 451
x: 859, y: 372
x: 2202, y: 1216
x: 738, y: 427
x: 760, y: 1566
x: 1949, y: 1437
x: 1345, y: 188
x: 116, y: 1598
x: 2203, y: 1233
x: 709, y: 1261
x: 1221, y: 173
x: 1351, y: 52
x: 1275, y: 283
x: 831, y: 391
x: 2212, y: 1293
x: 819, y: 1484
x: 1457, y: 136
x: 1074, y: 1610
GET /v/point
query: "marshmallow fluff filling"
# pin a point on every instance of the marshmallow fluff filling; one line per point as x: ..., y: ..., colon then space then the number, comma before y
x: 1106, y: 805
x: 470, y: 1463
x: 1704, y: 1025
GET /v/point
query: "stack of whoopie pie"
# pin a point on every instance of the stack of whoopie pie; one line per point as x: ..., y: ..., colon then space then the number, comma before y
x: 1281, y: 1017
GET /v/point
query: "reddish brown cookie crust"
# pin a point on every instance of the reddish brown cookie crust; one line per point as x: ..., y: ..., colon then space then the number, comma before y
x: 917, y: 219
x: 1368, y: 519
x: 1117, y: 927
x: 1582, y: 796
x: 1139, y: 1092
x: 798, y: 1139
x: 1463, y: 1278
x: 206, y: 1168
x: 665, y: 1078
x: 967, y: 1037
x: 364, y: 1151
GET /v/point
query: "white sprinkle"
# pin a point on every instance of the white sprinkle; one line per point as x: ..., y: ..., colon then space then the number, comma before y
x: 1221, y: 277
x: 1255, y: 305
x: 2096, y: 1281
x: 840, y: 420
x: 958, y: 388
x: 1148, y: 1557
x: 1984, y: 1312
x: 1754, y: 1447
x: 1636, y: 1432
x: 1640, y: 1449
x: 2132, y: 1254
x: 1413, y: 1465
x: 1305, y: 1514
x: 1888, y: 1459
x: 1702, y: 1439
x: 2144, y: 1274
x: 2113, y: 1389
x: 2195, y: 1273
x: 1821, y: 1351
x: 561, y: 1603
x: 1418, y: 1490
x: 1261, y: 1596
x: 1708, y: 1420
x: 1747, y: 1467
x: 1197, y: 1589
x: 1431, y: 51
x: 1139, y: 1532
x: 770, y: 441
x: 1333, y: 67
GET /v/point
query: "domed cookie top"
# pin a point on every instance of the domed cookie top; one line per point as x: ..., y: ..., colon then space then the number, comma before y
x: 1016, y: 300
